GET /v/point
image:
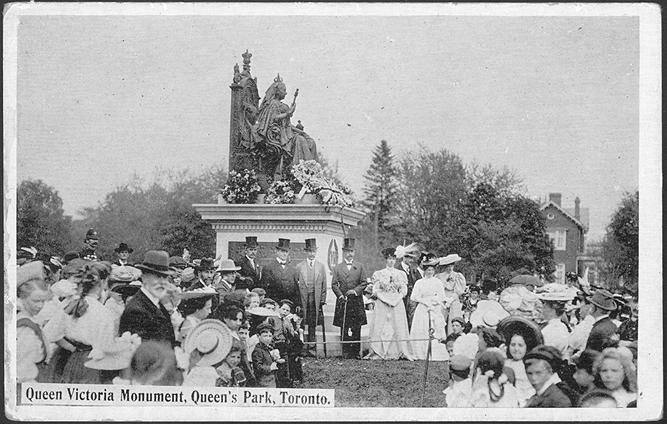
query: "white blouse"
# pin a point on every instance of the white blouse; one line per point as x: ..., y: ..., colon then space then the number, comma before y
x: 95, y: 327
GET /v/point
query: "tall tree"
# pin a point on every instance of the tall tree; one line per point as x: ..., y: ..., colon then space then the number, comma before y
x: 621, y: 243
x: 380, y: 189
x: 40, y: 219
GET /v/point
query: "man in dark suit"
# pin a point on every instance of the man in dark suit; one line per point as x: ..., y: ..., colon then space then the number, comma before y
x: 144, y: 314
x: 250, y: 271
x: 206, y: 272
x: 279, y: 278
x: 313, y: 289
x: 123, y: 251
x: 604, y: 330
x: 348, y: 283
x: 406, y: 258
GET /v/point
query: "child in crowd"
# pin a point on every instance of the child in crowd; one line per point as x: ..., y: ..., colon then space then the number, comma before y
x: 492, y: 388
x: 229, y: 372
x: 449, y: 342
x: 263, y: 360
x: 251, y: 300
x: 615, y: 372
x: 459, y: 392
x: 260, y: 292
x: 249, y: 342
x: 598, y: 399
x: 154, y: 364
x: 286, y: 340
x: 584, y: 375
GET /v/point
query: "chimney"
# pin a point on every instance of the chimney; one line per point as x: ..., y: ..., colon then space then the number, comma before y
x: 577, y: 215
x: 555, y: 197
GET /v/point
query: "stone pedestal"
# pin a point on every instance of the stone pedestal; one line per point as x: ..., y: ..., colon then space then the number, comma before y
x: 328, y: 225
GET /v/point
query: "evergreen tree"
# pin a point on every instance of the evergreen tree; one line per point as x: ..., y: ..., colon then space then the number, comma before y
x: 621, y: 243
x: 380, y: 190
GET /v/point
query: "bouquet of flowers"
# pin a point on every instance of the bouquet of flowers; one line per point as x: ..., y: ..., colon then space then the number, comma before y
x: 280, y: 192
x: 241, y: 187
x: 312, y: 178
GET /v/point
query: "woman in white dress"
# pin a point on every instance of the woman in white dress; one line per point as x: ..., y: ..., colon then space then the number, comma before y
x: 429, y: 293
x: 389, y: 330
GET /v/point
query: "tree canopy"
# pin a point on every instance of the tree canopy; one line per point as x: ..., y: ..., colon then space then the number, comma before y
x: 621, y: 243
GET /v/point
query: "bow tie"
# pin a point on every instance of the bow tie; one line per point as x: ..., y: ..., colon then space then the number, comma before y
x: 348, y: 263
x: 282, y: 262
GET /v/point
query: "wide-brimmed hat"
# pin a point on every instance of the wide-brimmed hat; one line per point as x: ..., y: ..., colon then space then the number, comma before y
x: 91, y: 234
x: 251, y: 242
x: 488, y: 313
x: 29, y: 272
x: 283, y: 244
x: 526, y: 280
x: 526, y: 328
x: 431, y: 262
x: 156, y: 262
x: 197, y: 293
x: 124, y: 274
x: 603, y: 299
x: 123, y: 247
x: 228, y: 265
x: 348, y: 244
x: 555, y: 292
x: 450, y: 259
x: 127, y: 290
x: 115, y: 357
x: 261, y: 311
x: 63, y: 288
x: 212, y: 339
x: 311, y: 245
x: 206, y: 264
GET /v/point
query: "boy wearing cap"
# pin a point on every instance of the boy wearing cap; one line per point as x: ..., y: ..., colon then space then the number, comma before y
x: 250, y: 269
x: 542, y: 364
x: 313, y: 289
x: 263, y: 360
x: 348, y: 283
x: 280, y: 278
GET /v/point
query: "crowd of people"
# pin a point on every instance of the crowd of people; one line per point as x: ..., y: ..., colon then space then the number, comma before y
x: 175, y: 320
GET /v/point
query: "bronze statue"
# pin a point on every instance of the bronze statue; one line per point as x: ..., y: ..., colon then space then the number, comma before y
x: 282, y: 143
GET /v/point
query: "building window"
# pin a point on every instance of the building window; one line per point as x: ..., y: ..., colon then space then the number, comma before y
x: 558, y: 238
x: 560, y: 273
x: 550, y: 216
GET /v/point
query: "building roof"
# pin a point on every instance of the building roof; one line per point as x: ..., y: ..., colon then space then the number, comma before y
x: 583, y: 215
x: 567, y: 215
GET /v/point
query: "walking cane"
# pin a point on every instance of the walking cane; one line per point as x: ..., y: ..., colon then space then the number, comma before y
x: 324, y: 336
x: 431, y: 332
x: 342, y: 329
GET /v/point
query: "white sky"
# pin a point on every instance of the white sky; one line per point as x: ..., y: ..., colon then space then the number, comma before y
x: 554, y: 98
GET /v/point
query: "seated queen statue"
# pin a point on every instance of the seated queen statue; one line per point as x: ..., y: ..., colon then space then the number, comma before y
x: 284, y: 143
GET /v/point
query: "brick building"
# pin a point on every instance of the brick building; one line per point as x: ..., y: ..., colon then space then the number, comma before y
x: 566, y: 228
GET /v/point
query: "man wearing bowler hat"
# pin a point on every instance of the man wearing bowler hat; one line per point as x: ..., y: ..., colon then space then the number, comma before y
x: 206, y: 271
x: 144, y: 314
x: 604, y: 329
x: 123, y: 252
x: 279, y: 278
x: 348, y: 283
x: 313, y: 289
x: 250, y: 271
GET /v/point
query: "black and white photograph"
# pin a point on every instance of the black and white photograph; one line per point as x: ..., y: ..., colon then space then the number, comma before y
x: 332, y: 211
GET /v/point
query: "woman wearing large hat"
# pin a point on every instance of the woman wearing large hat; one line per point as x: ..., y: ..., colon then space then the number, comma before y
x: 195, y: 306
x: 123, y: 251
x: 522, y: 336
x: 454, y: 284
x: 207, y: 345
x: 389, y: 329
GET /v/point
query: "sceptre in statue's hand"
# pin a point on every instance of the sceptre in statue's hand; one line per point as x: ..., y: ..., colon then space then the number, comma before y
x: 293, y: 107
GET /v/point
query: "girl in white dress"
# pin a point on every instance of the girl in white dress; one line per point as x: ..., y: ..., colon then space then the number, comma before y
x: 389, y: 330
x: 429, y: 293
x: 31, y: 345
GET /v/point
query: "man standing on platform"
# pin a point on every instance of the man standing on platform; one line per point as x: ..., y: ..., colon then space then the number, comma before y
x: 313, y: 289
x: 250, y: 271
x: 348, y: 283
x: 406, y: 261
x: 279, y: 278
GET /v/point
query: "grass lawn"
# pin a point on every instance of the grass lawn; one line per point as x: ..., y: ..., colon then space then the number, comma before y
x: 360, y: 383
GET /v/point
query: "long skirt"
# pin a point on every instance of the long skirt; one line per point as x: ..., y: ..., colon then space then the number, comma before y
x: 420, y: 330
x: 54, y: 371
x: 389, y: 331
x: 76, y: 372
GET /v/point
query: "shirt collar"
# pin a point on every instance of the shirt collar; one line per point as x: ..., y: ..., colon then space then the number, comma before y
x: 601, y: 317
x: 554, y: 379
x: 349, y: 263
x: 154, y: 300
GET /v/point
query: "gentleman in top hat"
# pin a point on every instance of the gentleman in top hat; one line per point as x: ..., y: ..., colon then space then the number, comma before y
x: 88, y: 251
x: 250, y: 270
x: 406, y: 261
x: 313, y: 289
x: 279, y: 278
x: 603, y: 330
x: 348, y: 283
x: 123, y: 251
x: 206, y: 272
x: 144, y: 313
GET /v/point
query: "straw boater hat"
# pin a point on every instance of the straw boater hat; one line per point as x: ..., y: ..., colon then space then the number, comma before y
x: 524, y: 327
x: 124, y: 274
x: 450, y: 259
x: 212, y: 339
x: 156, y: 262
x: 115, y: 357
x: 261, y: 311
x: 228, y: 265
x: 487, y: 314
x: 197, y: 293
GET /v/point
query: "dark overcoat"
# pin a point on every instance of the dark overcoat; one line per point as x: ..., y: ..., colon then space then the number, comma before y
x: 142, y: 317
x: 553, y: 397
x: 602, y: 331
x: 281, y: 283
x: 248, y: 272
x: 342, y: 281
